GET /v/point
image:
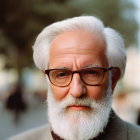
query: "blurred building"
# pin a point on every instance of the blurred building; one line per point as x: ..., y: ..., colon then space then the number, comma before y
x: 127, y: 98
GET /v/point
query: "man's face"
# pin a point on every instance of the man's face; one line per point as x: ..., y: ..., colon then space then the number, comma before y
x: 75, y: 109
x: 76, y: 50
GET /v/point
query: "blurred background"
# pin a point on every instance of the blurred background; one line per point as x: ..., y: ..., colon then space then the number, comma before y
x: 23, y: 88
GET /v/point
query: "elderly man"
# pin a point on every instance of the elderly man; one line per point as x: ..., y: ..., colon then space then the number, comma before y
x: 83, y: 61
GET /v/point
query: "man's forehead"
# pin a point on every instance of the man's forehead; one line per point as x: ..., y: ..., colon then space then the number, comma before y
x: 67, y: 38
x: 79, y: 46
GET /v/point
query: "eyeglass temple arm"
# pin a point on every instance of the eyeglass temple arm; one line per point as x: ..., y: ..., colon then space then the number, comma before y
x: 44, y: 73
x: 110, y: 68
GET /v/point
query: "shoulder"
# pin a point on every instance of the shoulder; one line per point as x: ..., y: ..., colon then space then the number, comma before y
x: 133, y: 131
x: 40, y: 133
x: 126, y: 129
x: 119, y: 129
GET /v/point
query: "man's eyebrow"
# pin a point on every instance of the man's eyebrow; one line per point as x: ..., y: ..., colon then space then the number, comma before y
x: 85, y: 67
x: 91, y: 66
x: 59, y: 67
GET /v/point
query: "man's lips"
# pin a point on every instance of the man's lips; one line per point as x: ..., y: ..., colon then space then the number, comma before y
x: 78, y: 107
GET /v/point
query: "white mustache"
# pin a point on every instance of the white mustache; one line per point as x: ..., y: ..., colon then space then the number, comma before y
x: 70, y: 101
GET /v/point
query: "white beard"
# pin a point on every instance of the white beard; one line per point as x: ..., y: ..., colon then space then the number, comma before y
x: 79, y: 125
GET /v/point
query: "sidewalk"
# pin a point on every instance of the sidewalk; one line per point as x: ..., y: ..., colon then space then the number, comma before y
x: 33, y: 117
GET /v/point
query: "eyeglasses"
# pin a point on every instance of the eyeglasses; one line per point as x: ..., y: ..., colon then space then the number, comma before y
x: 89, y: 76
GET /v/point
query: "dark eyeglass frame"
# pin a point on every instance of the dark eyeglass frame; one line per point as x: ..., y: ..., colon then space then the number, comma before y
x: 79, y: 72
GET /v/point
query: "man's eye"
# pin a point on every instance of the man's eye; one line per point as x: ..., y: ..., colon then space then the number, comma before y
x: 91, y: 72
x: 62, y: 74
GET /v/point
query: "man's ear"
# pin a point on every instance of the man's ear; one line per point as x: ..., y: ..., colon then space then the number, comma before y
x: 116, y: 74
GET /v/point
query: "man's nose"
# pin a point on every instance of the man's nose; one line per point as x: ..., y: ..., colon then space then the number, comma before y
x: 77, y: 87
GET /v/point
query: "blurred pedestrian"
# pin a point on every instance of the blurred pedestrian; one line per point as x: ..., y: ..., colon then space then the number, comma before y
x: 15, y: 102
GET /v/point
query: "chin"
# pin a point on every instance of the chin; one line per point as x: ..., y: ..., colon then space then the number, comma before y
x: 82, y: 124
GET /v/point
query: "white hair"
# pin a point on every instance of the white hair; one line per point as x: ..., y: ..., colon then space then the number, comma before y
x: 114, y: 43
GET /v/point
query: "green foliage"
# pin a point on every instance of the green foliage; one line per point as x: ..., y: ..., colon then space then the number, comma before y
x: 22, y: 20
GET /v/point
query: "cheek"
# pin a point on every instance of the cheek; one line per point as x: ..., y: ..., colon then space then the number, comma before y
x: 59, y: 92
x: 96, y: 92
